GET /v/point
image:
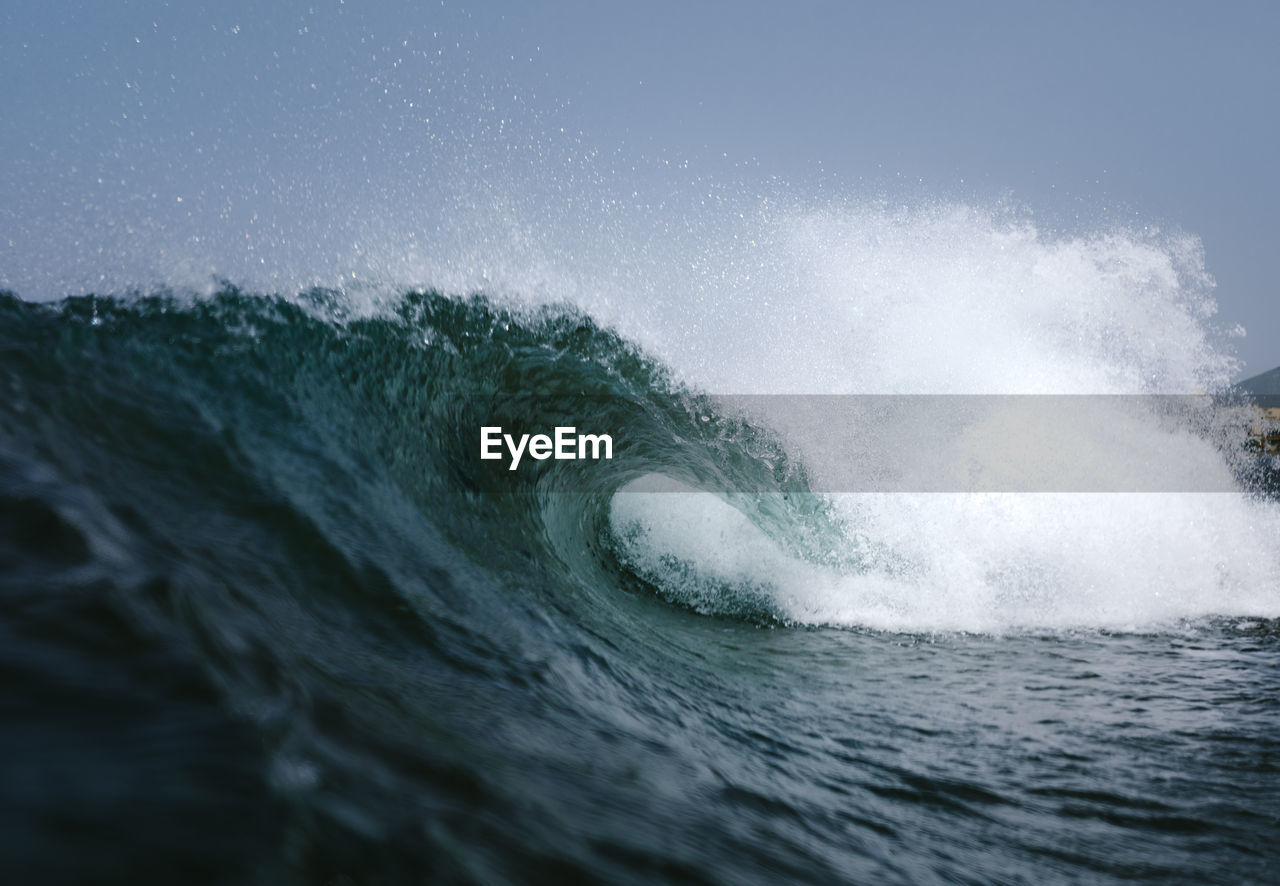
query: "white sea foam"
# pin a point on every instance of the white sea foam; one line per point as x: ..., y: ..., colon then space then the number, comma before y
x: 951, y: 299
x: 973, y: 562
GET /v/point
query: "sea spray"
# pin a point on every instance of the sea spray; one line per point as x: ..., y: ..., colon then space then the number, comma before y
x: 955, y: 300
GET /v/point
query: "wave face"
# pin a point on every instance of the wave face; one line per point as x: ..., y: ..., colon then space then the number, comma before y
x: 267, y: 618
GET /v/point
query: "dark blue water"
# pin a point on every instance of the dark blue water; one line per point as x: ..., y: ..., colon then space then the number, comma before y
x: 265, y: 619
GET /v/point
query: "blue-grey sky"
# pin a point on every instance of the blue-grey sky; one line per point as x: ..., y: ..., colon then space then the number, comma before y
x: 187, y: 126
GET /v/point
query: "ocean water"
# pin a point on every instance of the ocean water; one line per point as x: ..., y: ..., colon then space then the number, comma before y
x: 268, y: 618
x: 928, y: 553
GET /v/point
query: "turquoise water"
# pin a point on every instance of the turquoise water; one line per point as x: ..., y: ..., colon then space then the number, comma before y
x: 268, y: 619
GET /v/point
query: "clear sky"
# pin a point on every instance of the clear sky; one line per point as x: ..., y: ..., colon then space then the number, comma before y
x: 121, y: 118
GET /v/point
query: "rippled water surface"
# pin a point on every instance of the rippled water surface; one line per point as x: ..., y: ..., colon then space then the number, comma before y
x: 266, y: 619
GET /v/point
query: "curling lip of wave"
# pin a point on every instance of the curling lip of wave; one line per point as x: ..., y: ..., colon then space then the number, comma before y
x: 300, y: 401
